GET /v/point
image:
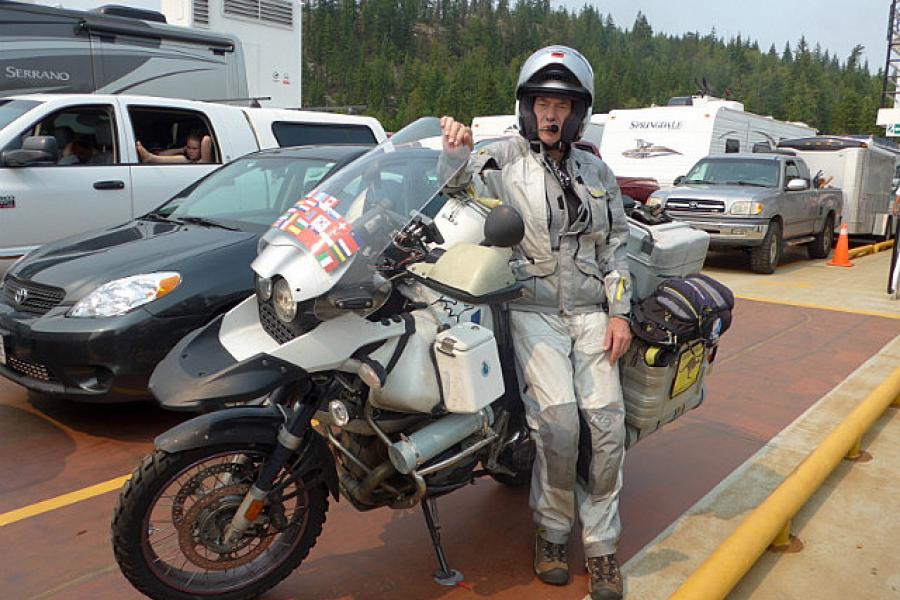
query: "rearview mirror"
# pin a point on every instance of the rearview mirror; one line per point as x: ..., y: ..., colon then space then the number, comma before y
x: 36, y: 150
x: 678, y: 180
x: 504, y: 227
x: 797, y: 185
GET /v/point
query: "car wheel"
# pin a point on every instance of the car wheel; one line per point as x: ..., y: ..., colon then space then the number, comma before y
x: 765, y: 257
x: 821, y: 246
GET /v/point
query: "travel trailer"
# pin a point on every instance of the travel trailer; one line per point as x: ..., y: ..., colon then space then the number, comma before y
x: 863, y: 169
x: 115, y: 50
x: 664, y: 142
x: 501, y: 125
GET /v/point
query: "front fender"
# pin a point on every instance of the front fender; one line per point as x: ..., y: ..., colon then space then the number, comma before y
x: 253, y: 427
x: 199, y: 371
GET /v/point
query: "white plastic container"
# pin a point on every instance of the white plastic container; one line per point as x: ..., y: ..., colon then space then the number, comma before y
x: 656, y: 252
x: 469, y: 367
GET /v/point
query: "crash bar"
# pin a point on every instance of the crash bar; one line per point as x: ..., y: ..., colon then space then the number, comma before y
x: 719, y: 573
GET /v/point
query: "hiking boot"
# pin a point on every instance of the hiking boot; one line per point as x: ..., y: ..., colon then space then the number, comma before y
x: 551, y: 561
x: 606, y: 580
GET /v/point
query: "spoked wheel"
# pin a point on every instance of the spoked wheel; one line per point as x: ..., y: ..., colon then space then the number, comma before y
x: 169, y: 529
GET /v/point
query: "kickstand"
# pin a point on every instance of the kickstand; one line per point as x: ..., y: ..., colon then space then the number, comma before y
x: 444, y: 575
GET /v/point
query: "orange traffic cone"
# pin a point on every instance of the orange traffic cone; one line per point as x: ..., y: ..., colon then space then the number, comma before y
x: 841, y: 256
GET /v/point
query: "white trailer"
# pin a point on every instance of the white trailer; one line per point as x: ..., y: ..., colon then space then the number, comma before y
x: 863, y: 169
x: 495, y: 126
x: 270, y: 33
x: 664, y: 142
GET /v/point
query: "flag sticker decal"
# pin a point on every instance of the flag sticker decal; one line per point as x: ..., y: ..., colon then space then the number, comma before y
x: 321, y: 229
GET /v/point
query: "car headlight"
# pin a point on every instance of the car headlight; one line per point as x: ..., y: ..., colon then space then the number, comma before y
x: 285, y: 307
x: 745, y: 207
x: 122, y: 295
x: 263, y: 288
x: 654, y: 200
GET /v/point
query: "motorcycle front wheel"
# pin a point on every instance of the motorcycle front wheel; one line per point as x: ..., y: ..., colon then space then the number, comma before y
x: 169, y: 524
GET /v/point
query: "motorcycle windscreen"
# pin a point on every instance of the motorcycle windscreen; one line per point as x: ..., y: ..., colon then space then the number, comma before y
x: 335, y: 236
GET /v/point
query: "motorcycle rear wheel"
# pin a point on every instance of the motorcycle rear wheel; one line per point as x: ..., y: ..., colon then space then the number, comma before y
x: 167, y: 527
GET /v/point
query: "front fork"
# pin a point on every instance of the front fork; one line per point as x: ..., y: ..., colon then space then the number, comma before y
x: 290, y: 437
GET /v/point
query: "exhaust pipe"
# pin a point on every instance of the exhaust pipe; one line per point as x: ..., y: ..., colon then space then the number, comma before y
x: 428, y: 442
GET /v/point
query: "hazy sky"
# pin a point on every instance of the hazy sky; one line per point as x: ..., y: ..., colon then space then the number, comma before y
x: 837, y: 25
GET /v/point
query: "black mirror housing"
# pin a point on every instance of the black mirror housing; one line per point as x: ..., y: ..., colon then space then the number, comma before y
x: 678, y: 180
x: 504, y: 227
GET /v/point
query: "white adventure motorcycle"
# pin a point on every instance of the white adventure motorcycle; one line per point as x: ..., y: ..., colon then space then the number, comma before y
x: 381, y: 343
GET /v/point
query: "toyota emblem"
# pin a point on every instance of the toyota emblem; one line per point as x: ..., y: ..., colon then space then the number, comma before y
x: 692, y: 204
x: 21, y: 296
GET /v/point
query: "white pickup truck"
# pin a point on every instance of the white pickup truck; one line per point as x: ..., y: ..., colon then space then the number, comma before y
x: 46, y: 193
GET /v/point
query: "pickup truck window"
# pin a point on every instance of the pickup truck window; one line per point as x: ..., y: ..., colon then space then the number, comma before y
x: 173, y: 136
x: 302, y: 134
x: 791, y: 171
x: 85, y: 135
x: 759, y: 173
x: 10, y: 110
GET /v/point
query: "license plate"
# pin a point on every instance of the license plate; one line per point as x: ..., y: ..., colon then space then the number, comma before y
x: 2, y: 352
x: 689, y: 365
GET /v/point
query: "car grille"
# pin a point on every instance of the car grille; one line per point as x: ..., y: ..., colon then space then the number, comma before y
x: 694, y: 205
x: 28, y: 369
x: 30, y: 297
x: 272, y: 325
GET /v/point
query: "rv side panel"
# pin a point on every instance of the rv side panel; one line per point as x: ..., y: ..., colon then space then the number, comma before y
x: 729, y: 132
x: 659, y: 142
x: 42, y: 53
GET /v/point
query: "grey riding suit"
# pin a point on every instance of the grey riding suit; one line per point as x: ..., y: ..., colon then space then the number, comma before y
x: 572, y: 263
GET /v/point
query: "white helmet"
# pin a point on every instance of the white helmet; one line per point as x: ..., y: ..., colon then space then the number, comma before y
x: 556, y: 71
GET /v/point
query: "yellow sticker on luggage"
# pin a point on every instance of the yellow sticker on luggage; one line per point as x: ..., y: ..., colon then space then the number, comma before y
x: 689, y: 364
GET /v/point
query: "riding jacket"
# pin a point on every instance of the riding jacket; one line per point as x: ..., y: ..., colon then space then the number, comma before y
x: 573, y: 257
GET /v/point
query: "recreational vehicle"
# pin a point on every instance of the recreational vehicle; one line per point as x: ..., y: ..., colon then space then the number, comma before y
x: 115, y: 50
x: 663, y: 142
x: 863, y: 169
x: 501, y: 125
x: 270, y: 35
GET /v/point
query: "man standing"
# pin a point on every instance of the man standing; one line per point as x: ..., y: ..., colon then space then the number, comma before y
x: 571, y: 326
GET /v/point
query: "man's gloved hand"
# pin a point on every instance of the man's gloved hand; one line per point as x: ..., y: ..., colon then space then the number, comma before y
x: 618, y: 338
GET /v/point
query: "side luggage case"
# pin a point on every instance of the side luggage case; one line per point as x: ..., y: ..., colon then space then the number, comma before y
x: 662, y: 382
x: 657, y: 252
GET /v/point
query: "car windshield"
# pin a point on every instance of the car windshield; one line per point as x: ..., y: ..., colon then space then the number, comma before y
x: 10, y: 110
x: 251, y: 191
x: 759, y: 173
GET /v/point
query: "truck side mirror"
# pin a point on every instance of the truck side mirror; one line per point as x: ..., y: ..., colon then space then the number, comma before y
x: 797, y: 185
x: 36, y: 150
x: 678, y: 180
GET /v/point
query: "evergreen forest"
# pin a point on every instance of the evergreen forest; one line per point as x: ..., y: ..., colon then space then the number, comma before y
x: 403, y: 59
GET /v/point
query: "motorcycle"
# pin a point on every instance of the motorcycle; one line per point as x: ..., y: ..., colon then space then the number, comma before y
x: 381, y: 344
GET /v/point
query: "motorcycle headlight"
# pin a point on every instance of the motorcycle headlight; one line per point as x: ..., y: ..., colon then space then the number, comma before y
x: 745, y: 207
x: 263, y: 288
x: 285, y: 307
x: 122, y: 295
x: 654, y: 200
